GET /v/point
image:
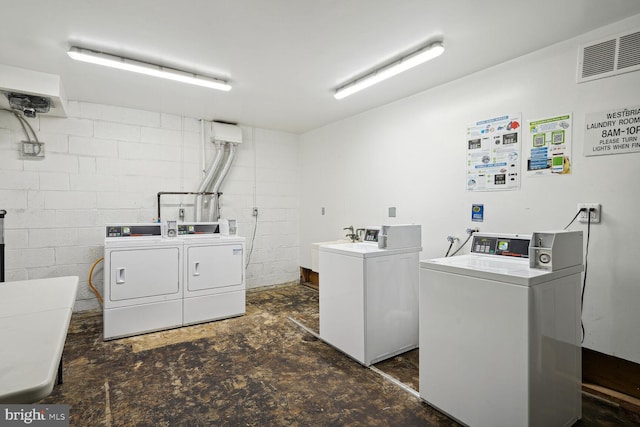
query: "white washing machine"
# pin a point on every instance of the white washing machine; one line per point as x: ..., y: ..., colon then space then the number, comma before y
x: 214, y: 273
x: 500, y: 341
x: 142, y: 280
x: 369, y: 295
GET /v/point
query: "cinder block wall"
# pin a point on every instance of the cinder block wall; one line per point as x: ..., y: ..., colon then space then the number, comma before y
x: 106, y: 164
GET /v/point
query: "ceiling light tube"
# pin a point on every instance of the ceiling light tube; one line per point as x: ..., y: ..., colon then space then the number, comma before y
x: 403, y: 64
x: 121, y: 63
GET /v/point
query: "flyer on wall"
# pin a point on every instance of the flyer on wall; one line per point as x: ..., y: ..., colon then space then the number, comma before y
x: 493, y: 154
x: 549, y: 146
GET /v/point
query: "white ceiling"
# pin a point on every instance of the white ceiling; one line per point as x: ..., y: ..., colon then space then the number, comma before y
x: 284, y: 58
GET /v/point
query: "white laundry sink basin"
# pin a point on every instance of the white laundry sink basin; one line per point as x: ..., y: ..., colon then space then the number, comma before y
x: 315, y: 250
x: 361, y: 246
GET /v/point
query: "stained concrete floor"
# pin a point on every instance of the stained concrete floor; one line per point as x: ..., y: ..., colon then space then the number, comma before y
x: 260, y: 369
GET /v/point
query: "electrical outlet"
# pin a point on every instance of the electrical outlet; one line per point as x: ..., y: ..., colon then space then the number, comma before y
x: 592, y: 209
x: 255, y: 211
x: 32, y: 150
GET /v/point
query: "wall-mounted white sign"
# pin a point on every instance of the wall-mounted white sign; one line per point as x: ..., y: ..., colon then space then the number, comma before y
x: 612, y: 132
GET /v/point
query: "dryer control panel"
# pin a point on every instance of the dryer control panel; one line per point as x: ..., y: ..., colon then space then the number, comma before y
x: 501, y: 245
x: 202, y: 228
x: 137, y: 230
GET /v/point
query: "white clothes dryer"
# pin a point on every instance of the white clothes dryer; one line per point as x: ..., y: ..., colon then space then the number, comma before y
x: 214, y: 273
x: 142, y: 280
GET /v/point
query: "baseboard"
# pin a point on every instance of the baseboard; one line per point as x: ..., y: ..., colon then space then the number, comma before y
x: 611, y: 372
x: 611, y: 396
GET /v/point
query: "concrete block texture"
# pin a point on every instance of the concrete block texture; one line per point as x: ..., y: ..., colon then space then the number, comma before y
x: 105, y: 164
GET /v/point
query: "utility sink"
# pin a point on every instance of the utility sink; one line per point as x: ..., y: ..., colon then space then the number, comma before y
x: 362, y: 246
x: 315, y: 251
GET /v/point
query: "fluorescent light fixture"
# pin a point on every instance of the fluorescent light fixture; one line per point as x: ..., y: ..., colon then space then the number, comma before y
x: 403, y: 64
x: 121, y: 63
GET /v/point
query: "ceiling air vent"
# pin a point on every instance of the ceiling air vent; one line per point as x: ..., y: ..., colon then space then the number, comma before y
x: 609, y: 57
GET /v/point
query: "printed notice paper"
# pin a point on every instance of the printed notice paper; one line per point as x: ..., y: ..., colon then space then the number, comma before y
x: 493, y: 154
x: 549, y: 146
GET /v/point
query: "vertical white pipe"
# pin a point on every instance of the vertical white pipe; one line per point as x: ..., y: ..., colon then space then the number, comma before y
x: 206, y: 181
x: 181, y: 156
x: 203, y: 142
x: 225, y: 169
x: 214, y: 208
x: 203, y: 155
x: 255, y: 168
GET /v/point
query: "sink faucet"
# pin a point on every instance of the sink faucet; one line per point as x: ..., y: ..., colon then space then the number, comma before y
x: 353, y: 236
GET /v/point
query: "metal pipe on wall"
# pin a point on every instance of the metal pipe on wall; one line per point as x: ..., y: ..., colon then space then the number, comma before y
x: 203, y: 142
x: 197, y: 193
x: 206, y: 181
x: 2, y: 214
x: 222, y: 134
x: 214, y: 208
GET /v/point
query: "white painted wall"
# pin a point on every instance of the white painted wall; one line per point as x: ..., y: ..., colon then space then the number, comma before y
x: 411, y: 155
x: 105, y: 164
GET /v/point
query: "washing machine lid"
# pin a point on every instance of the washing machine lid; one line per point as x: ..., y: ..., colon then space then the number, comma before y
x: 364, y: 249
x: 508, y: 270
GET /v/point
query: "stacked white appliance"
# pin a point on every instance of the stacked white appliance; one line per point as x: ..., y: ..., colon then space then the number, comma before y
x: 153, y: 282
x: 500, y: 331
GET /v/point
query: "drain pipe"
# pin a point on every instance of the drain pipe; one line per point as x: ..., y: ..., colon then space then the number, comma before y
x: 203, y: 149
x: 206, y: 181
x: 214, y: 208
x: 2, y: 214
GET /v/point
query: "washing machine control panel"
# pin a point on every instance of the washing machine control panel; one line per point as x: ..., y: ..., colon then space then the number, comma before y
x: 511, y: 246
x: 133, y: 230
x: 371, y: 235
